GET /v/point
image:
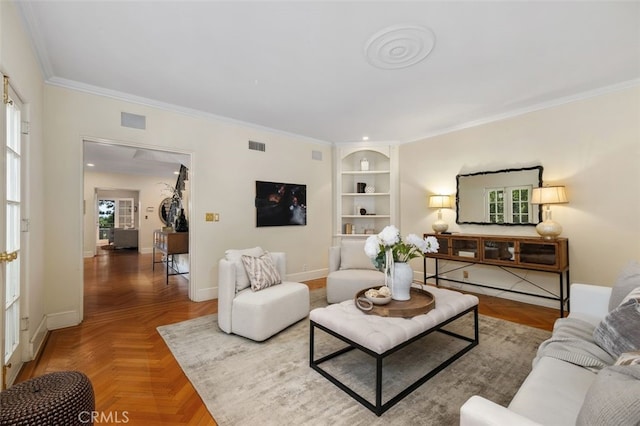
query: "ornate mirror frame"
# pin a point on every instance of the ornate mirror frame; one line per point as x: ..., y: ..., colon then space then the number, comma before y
x: 504, y: 178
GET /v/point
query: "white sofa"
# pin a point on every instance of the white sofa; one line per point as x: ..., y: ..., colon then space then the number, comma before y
x: 555, y: 390
x: 257, y: 315
x: 350, y: 270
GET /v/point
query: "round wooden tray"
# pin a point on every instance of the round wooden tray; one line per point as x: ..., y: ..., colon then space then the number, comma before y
x: 421, y: 302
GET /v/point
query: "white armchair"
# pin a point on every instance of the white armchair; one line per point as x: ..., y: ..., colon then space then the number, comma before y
x: 257, y: 315
x: 350, y: 270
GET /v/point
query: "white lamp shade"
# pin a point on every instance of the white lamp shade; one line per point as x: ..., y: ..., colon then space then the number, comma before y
x: 440, y: 202
x: 549, y: 195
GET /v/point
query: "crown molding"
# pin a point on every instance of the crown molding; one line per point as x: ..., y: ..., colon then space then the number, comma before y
x: 537, y: 107
x: 190, y: 112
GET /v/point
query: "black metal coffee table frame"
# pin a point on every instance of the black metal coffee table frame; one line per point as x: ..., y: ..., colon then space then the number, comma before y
x: 379, y: 408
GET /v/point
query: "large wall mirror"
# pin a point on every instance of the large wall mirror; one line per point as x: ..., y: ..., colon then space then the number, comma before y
x: 500, y: 197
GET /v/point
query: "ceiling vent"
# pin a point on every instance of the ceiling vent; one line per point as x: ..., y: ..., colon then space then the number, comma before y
x: 134, y: 121
x: 257, y: 146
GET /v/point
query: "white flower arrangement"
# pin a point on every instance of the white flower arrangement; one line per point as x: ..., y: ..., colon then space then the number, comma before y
x: 388, y: 244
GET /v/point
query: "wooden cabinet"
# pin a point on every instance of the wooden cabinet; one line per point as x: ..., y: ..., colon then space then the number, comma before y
x: 366, y: 188
x: 530, y: 253
x: 170, y: 244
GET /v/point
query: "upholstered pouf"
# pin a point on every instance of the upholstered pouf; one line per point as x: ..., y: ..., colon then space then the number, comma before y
x: 61, y: 398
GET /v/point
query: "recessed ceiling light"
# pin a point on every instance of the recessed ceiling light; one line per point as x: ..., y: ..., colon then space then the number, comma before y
x: 365, y: 138
x: 90, y: 164
x: 176, y: 173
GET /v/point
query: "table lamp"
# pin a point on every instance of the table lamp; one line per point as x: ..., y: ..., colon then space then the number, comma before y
x: 547, y: 195
x: 440, y: 202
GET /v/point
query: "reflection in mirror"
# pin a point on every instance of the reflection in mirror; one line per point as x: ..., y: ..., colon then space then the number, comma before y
x: 501, y: 197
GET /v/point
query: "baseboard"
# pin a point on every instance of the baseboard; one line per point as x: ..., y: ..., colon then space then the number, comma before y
x: 88, y: 253
x: 212, y: 292
x: 308, y: 275
x: 63, y: 319
x: 532, y: 300
x: 145, y: 250
x: 36, y: 343
x: 206, y: 294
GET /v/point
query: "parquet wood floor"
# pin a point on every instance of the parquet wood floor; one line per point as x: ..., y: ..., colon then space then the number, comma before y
x: 133, y: 373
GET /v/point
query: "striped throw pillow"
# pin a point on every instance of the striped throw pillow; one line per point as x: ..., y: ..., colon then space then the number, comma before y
x: 261, y: 271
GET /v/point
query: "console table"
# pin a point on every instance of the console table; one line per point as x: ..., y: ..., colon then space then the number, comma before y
x: 506, y: 253
x: 170, y: 244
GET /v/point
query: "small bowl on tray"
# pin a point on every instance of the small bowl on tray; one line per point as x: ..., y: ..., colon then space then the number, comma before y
x: 378, y: 297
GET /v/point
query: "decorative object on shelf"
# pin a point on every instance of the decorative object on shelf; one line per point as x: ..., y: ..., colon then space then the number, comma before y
x: 440, y: 202
x: 387, y: 250
x: 170, y: 207
x: 547, y: 195
x: 370, y: 189
x: 364, y: 165
x: 348, y: 228
x: 181, y: 222
x: 361, y: 187
x: 363, y: 211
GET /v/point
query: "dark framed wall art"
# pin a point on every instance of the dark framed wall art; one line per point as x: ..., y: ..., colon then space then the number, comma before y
x: 280, y: 204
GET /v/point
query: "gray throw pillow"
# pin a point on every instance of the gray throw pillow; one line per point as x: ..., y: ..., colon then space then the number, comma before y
x: 628, y: 279
x: 613, y: 398
x: 352, y: 255
x: 619, y: 331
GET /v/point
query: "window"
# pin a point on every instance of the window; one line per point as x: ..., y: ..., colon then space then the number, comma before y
x: 495, y: 205
x: 520, y: 204
x: 508, y: 205
x: 114, y: 213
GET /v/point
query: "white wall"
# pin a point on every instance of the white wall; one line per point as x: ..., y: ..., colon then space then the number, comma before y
x: 592, y: 146
x: 18, y: 61
x: 222, y: 178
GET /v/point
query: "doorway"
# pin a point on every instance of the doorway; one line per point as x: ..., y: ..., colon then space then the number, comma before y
x: 124, y: 186
x: 116, y: 210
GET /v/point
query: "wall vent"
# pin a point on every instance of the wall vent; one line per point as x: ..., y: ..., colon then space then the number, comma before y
x: 316, y: 155
x: 134, y: 121
x: 257, y: 146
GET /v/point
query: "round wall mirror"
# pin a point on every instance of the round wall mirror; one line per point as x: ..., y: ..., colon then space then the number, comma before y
x: 163, y: 211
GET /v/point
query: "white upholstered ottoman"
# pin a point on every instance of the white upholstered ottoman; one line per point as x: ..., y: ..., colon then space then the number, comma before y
x: 380, y: 336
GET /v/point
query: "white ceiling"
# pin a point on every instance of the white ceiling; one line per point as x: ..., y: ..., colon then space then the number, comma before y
x: 301, y: 66
x: 120, y: 159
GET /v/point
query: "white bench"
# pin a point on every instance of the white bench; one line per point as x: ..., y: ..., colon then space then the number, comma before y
x: 380, y: 336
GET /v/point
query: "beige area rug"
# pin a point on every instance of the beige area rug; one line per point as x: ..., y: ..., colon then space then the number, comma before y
x: 270, y: 383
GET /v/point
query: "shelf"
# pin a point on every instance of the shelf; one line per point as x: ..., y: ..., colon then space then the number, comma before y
x: 368, y: 172
x: 363, y: 194
x: 351, y: 181
x: 365, y: 216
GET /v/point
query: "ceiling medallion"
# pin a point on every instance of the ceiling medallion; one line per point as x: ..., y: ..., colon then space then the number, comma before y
x: 399, y: 46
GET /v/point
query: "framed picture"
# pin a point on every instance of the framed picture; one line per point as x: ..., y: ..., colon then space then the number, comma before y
x: 280, y: 204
